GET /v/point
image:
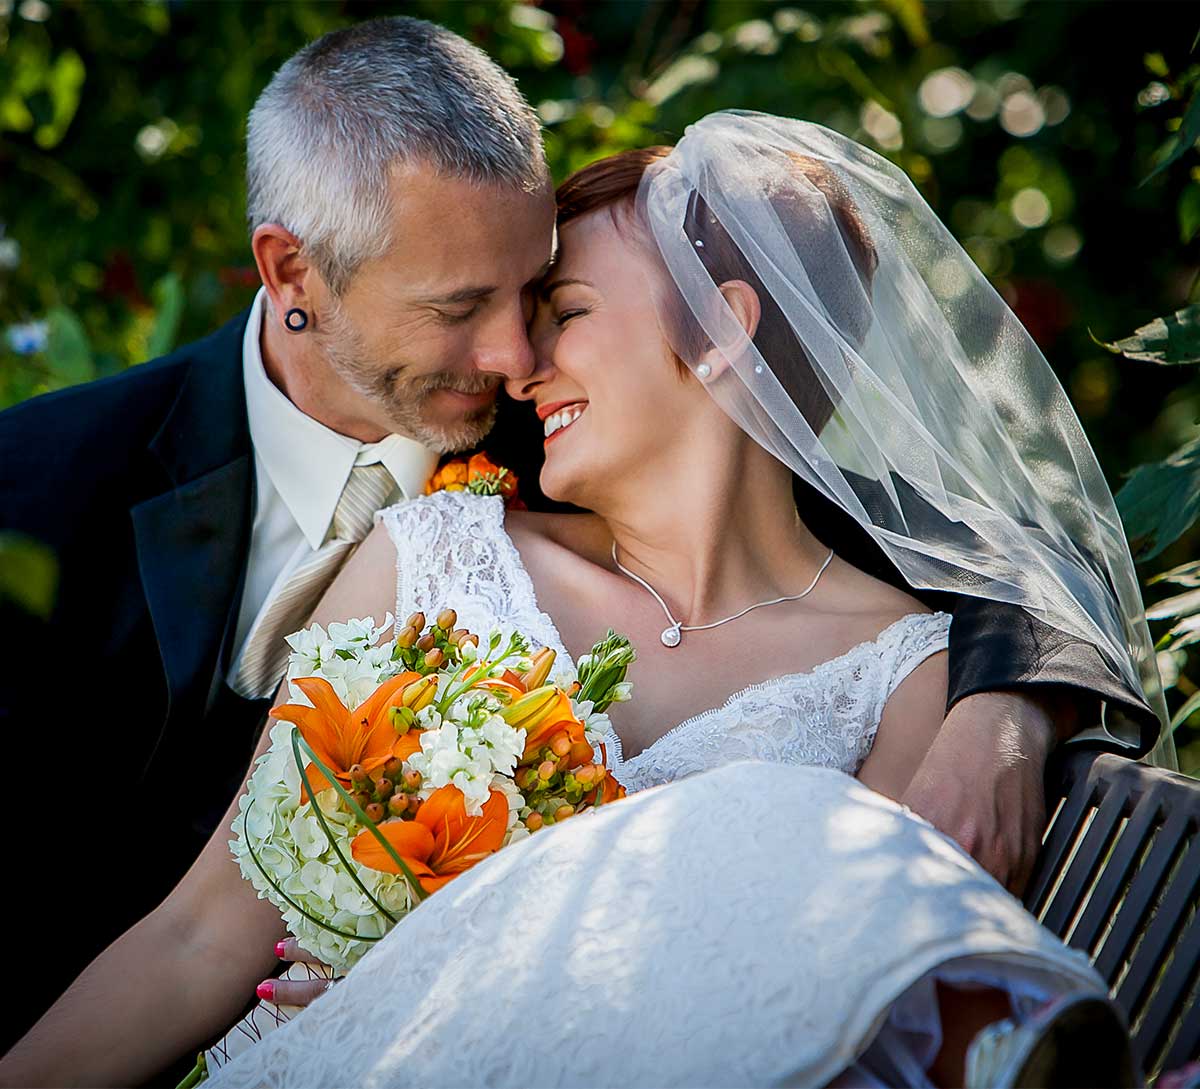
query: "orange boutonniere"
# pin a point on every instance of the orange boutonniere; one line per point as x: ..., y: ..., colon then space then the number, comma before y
x: 478, y: 474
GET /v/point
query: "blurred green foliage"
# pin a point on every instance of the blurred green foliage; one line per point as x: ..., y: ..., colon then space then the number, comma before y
x: 1055, y: 139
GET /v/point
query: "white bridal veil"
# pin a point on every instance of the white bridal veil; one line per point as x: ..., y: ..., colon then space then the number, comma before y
x: 888, y: 373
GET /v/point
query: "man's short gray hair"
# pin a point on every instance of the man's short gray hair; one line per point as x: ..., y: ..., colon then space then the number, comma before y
x: 327, y: 130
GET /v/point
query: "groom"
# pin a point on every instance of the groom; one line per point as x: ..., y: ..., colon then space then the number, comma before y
x: 401, y: 213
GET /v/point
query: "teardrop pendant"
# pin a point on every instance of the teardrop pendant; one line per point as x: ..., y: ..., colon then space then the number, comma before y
x: 670, y: 636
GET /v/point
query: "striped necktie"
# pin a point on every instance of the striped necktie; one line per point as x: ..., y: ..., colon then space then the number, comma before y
x: 265, y: 654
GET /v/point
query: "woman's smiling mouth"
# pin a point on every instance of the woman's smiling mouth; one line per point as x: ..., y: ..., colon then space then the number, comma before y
x: 560, y: 417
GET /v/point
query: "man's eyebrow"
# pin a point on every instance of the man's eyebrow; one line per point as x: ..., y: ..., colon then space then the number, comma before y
x: 462, y: 295
x: 546, y: 290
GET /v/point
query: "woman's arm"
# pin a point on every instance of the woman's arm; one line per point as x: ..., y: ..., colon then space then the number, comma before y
x: 185, y: 972
x: 178, y: 977
x: 911, y: 719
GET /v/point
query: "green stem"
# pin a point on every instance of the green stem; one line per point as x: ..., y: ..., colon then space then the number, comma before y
x: 358, y: 811
x: 317, y: 812
x: 284, y: 896
x: 196, y: 1075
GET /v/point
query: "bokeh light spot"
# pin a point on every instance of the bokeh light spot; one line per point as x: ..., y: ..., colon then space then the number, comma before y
x: 882, y: 126
x: 1030, y: 208
x: 1062, y: 244
x: 946, y: 92
x: 1021, y: 114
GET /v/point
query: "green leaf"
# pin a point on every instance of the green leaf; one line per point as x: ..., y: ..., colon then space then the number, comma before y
x: 1181, y: 605
x: 1160, y: 501
x: 28, y: 573
x: 911, y: 15
x: 1173, y: 339
x: 1185, y: 138
x: 1189, y: 213
x: 168, y: 302
x: 1190, y: 707
x: 67, y: 350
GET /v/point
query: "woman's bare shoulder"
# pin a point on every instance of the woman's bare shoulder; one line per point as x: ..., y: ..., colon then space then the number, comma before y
x: 585, y: 535
x: 866, y: 606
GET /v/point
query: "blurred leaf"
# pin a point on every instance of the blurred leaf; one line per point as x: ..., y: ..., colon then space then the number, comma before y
x: 1186, y: 574
x: 1179, y: 605
x: 64, y: 82
x: 1160, y: 501
x: 911, y: 15
x: 1174, y: 339
x: 168, y: 303
x: 28, y: 573
x: 1185, y: 138
x: 67, y: 350
x: 1186, y: 711
x: 1189, y: 212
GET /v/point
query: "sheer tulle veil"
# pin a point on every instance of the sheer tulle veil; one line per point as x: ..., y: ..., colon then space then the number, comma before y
x: 888, y: 373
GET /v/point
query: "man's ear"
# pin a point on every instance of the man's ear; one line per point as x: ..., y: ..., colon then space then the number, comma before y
x: 285, y: 272
x: 743, y: 300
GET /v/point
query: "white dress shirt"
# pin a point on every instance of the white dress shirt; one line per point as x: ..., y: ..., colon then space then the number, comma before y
x: 300, y: 469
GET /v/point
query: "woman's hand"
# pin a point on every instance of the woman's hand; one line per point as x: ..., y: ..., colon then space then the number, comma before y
x: 296, y: 992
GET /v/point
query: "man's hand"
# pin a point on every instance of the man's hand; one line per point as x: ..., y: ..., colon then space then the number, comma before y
x: 982, y: 780
x: 296, y: 992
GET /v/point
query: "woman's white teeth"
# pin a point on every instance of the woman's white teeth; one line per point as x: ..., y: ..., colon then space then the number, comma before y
x: 563, y: 419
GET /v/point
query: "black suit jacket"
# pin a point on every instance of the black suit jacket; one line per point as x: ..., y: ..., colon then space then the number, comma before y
x: 124, y: 744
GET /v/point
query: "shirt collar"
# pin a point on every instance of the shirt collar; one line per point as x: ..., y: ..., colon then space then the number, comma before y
x: 309, y: 463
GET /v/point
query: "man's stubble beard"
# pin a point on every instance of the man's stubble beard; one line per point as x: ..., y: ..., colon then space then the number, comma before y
x: 400, y: 398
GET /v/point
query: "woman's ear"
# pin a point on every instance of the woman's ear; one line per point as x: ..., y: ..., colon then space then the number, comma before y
x: 742, y: 299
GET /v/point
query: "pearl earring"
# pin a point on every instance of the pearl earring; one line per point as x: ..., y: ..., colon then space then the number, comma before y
x: 703, y: 370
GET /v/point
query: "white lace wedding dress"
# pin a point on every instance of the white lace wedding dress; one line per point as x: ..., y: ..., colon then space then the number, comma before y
x: 766, y: 921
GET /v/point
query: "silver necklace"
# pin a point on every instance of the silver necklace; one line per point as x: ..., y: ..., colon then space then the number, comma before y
x: 671, y: 636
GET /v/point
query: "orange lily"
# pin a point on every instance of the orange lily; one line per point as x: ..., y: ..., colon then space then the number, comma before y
x: 608, y: 790
x: 342, y: 738
x: 558, y: 719
x: 441, y: 841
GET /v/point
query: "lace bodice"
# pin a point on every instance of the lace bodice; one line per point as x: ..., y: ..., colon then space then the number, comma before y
x: 453, y: 550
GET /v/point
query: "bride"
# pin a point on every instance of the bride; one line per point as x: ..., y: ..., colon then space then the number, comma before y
x: 713, y: 310
x: 764, y: 301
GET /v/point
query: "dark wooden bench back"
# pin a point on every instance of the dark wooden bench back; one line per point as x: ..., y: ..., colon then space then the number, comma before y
x: 1119, y: 878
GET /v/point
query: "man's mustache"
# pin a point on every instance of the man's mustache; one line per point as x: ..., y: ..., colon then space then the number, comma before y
x: 482, y: 384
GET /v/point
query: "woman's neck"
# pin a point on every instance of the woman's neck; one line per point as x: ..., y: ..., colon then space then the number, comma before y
x: 727, y: 536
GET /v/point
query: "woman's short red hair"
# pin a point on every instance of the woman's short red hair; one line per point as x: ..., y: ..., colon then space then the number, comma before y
x: 612, y: 183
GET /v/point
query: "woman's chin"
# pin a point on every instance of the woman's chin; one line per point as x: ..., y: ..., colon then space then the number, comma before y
x: 564, y: 480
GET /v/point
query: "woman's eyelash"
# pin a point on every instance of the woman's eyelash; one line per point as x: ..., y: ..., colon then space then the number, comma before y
x: 567, y: 315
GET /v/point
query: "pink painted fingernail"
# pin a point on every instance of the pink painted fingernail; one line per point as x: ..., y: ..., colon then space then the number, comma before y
x: 281, y: 949
x: 266, y: 990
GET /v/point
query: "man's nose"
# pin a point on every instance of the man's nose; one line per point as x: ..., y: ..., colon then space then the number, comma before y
x: 507, y: 350
x: 523, y: 387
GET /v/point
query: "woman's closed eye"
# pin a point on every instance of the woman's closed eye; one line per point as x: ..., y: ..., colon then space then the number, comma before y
x: 567, y: 315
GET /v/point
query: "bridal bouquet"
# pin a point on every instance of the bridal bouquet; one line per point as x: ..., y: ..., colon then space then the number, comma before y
x: 397, y: 767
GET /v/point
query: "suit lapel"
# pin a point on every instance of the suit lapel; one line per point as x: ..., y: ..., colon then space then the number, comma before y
x: 193, y: 538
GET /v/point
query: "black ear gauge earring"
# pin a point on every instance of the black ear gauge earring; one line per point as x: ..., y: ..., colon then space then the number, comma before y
x: 296, y: 320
